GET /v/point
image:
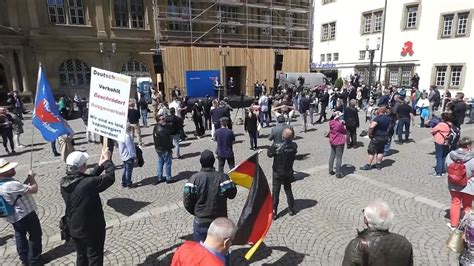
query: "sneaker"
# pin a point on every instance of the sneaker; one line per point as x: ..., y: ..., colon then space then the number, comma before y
x: 332, y: 172
x: 451, y: 227
x: 169, y: 180
x: 435, y: 174
x: 339, y: 175
x: 366, y: 167
x: 378, y: 166
x: 157, y: 181
x: 131, y: 185
x: 291, y: 212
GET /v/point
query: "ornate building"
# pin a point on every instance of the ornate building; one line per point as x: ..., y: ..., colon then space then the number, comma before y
x: 70, y: 37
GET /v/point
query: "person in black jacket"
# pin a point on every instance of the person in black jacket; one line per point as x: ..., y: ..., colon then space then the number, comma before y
x: 207, y: 113
x: 351, y: 119
x: 6, y: 130
x: 175, y: 125
x: 84, y: 214
x: 324, y: 104
x: 205, y: 195
x: 134, y: 120
x: 375, y: 245
x: 283, y: 158
x: 250, y: 126
x: 197, y: 114
x: 303, y: 108
x: 163, y: 147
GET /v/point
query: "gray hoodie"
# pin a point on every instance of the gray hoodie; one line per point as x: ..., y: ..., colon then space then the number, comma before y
x: 468, y: 158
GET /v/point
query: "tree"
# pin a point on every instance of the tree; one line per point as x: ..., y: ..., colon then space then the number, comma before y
x: 339, y: 83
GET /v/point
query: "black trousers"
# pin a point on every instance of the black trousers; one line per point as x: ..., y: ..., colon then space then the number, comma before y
x: 230, y: 162
x: 207, y: 122
x: 90, y: 251
x: 7, y: 135
x: 276, y: 194
x: 351, y: 136
x: 323, y: 113
x: 199, y: 126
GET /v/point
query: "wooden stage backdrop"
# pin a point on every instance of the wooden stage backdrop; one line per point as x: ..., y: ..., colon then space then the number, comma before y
x: 258, y: 62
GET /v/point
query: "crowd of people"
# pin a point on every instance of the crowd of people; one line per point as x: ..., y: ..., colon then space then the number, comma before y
x: 389, y: 112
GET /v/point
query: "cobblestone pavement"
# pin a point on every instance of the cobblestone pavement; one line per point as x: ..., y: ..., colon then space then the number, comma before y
x: 146, y: 224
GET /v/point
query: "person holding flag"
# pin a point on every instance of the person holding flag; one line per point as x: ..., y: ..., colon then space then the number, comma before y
x: 283, y: 158
x: 206, y: 194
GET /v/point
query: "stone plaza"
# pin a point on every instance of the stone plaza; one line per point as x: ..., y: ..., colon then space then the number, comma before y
x: 146, y: 224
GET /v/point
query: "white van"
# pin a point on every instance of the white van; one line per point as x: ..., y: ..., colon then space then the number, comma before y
x: 311, y: 80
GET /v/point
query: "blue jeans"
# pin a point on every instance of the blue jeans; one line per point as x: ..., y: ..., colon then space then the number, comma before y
x: 253, y: 139
x: 127, y: 172
x: 388, y: 144
x: 176, y: 139
x: 264, y: 118
x: 144, y: 114
x: 164, y: 159
x: 29, y: 249
x: 200, y: 231
x: 403, y: 123
x: 440, y: 154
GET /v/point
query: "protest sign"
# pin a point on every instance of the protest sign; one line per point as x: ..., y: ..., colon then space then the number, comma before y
x: 108, y: 103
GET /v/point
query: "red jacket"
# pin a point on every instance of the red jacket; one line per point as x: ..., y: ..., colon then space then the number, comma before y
x: 192, y: 253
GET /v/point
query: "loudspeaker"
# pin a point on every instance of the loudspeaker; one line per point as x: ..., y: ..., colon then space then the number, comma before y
x: 158, y: 63
x: 278, y: 62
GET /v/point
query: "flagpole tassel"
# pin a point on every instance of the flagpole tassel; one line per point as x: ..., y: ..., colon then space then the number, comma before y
x: 253, y: 249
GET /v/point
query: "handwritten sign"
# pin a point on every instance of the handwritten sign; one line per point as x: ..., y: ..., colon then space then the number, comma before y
x: 108, y: 103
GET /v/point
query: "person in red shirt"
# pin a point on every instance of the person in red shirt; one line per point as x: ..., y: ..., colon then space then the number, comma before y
x: 214, y: 251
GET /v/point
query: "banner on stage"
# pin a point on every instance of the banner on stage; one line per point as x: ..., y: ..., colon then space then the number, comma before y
x: 108, y: 103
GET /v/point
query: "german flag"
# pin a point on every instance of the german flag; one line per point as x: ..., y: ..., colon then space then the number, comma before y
x: 256, y: 216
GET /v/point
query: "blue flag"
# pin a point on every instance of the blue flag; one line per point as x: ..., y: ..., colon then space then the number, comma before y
x: 46, y: 117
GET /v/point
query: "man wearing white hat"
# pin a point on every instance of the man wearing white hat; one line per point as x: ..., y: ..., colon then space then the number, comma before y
x: 19, y: 208
x: 84, y: 214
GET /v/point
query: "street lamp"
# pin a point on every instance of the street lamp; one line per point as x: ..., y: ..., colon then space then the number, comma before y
x: 371, y: 56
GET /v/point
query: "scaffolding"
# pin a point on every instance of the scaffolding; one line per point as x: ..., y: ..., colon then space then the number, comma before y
x: 239, y: 23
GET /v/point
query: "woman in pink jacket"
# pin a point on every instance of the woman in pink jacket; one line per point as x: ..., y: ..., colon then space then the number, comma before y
x: 440, y: 135
x: 337, y: 139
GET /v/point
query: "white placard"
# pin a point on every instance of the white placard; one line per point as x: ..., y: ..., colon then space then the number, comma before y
x: 108, y: 103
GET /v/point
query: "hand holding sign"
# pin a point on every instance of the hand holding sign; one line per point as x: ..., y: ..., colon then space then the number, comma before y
x: 105, y: 156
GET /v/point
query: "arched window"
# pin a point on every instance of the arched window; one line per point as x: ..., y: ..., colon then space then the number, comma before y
x: 135, y: 69
x: 74, y: 72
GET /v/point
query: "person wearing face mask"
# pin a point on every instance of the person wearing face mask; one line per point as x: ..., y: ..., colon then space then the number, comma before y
x: 214, y: 251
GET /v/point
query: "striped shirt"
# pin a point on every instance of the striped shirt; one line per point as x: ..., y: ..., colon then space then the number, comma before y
x: 10, y: 191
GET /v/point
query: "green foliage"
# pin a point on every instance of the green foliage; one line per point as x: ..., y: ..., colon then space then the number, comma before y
x: 339, y: 83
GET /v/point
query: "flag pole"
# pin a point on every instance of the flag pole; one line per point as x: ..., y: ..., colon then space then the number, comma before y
x: 32, y: 126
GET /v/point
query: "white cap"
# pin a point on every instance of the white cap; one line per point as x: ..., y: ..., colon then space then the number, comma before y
x: 77, y: 158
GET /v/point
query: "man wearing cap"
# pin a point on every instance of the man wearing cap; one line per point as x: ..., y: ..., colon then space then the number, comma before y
x: 23, y: 216
x: 84, y: 214
x: 206, y: 194
x: 225, y: 140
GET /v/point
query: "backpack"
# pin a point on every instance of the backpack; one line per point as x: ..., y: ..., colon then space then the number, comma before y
x: 5, y: 208
x: 453, y: 136
x: 139, y: 161
x: 457, y: 173
x: 434, y: 121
